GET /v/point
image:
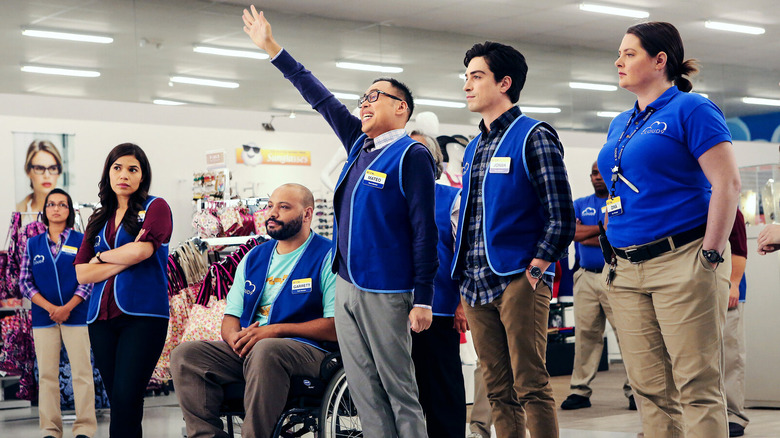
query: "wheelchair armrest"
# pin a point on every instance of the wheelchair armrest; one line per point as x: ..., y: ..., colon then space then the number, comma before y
x: 330, y: 365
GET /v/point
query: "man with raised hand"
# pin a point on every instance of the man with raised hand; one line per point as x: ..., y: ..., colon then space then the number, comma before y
x: 384, y: 240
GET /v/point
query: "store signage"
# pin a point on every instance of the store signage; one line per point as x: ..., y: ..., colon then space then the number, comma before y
x: 215, y: 159
x: 278, y: 156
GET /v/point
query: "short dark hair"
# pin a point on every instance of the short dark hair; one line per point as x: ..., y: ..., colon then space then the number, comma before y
x: 71, y: 211
x: 406, y: 93
x: 659, y: 36
x: 503, y: 61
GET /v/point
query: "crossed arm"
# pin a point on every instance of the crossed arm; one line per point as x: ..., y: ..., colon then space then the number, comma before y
x: 115, y: 261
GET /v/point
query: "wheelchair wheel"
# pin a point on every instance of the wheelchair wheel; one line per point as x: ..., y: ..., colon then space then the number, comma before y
x: 338, y: 415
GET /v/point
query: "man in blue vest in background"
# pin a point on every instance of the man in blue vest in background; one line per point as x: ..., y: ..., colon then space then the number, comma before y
x: 385, y: 239
x: 516, y: 220
x: 591, y: 304
x: 279, y: 312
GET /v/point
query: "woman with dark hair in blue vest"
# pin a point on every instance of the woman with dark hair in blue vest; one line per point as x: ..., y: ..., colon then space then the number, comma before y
x: 59, y: 316
x: 674, y: 188
x: 125, y: 253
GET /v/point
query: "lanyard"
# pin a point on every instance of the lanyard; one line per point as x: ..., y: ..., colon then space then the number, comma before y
x: 619, y: 148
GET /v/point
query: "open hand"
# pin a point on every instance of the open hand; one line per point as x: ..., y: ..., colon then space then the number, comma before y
x: 259, y: 30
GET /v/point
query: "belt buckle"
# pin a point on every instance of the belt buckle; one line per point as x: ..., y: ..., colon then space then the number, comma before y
x: 637, y: 252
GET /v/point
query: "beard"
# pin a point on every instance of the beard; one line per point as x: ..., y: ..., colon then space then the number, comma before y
x: 285, y: 229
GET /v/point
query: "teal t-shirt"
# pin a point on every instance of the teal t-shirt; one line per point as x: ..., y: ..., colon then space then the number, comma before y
x: 280, y: 267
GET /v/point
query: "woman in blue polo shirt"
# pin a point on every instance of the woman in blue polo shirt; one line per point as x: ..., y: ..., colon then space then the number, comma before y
x: 125, y: 253
x: 674, y: 184
x: 59, y: 316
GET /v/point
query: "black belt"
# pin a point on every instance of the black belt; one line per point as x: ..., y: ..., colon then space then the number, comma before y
x: 653, y: 250
x: 595, y: 271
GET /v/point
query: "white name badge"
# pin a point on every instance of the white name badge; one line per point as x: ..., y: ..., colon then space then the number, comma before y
x: 500, y: 164
x: 69, y: 249
x: 301, y: 286
x: 614, y: 206
x: 374, y: 179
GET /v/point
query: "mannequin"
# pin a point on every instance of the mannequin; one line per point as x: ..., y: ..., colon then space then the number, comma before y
x: 453, y: 148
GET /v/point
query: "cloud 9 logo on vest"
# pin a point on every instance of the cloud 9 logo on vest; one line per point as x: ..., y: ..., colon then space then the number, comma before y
x: 97, y: 241
x: 590, y: 211
x: 655, y: 128
x: 38, y: 259
x: 249, y: 288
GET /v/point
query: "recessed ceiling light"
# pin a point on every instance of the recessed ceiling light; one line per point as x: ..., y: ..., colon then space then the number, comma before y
x: 719, y: 25
x: 369, y: 67
x: 540, y: 109
x: 60, y: 71
x: 168, y: 102
x: 611, y: 10
x: 608, y: 114
x: 203, y: 81
x: 441, y: 103
x: 346, y: 96
x: 589, y: 86
x: 761, y: 101
x: 229, y: 51
x: 69, y: 36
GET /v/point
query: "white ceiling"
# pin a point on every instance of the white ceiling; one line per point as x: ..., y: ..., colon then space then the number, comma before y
x: 427, y: 37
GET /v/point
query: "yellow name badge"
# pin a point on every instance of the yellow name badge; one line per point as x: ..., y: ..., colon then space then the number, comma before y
x: 69, y: 249
x: 301, y: 286
x: 500, y: 164
x: 614, y: 206
x: 374, y: 179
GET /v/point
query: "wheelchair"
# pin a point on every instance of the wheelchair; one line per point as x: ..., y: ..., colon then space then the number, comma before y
x: 320, y: 405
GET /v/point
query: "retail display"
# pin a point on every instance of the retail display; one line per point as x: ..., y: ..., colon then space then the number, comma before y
x: 235, y: 217
x: 212, y: 184
x: 322, y: 222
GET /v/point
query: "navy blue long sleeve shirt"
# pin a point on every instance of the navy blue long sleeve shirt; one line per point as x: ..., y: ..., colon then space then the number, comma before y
x: 418, y: 179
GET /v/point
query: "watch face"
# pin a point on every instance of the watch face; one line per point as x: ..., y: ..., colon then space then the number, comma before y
x: 536, y: 272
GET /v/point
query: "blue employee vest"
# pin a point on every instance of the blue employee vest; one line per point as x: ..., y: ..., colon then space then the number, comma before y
x: 300, y: 299
x: 139, y: 290
x: 446, y: 295
x: 379, y: 258
x: 590, y: 210
x: 513, y: 220
x: 55, y: 278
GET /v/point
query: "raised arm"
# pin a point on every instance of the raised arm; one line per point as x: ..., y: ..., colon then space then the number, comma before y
x: 346, y: 126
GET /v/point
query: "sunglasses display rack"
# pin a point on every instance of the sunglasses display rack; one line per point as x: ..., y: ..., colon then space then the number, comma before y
x: 322, y: 223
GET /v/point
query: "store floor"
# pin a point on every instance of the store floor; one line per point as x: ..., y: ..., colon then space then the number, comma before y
x: 607, y: 418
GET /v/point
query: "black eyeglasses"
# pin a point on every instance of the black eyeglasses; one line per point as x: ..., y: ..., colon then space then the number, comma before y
x: 40, y: 170
x: 61, y: 205
x: 255, y: 149
x: 373, y: 95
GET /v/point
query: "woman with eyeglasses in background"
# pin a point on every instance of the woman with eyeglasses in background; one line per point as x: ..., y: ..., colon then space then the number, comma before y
x: 125, y: 253
x: 43, y: 165
x: 59, y: 316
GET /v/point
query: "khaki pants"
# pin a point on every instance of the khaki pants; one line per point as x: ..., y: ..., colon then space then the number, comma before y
x: 510, y: 336
x: 48, y: 342
x: 734, y: 341
x: 591, y: 313
x: 670, y: 313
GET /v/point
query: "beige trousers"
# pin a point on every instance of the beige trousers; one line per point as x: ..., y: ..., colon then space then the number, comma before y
x: 670, y: 313
x: 591, y: 313
x: 48, y: 342
x: 734, y: 341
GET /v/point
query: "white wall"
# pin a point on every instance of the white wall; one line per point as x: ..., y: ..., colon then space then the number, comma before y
x: 176, y: 138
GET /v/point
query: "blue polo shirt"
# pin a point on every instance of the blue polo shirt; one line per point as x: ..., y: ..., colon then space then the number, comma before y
x: 660, y: 159
x: 589, y: 210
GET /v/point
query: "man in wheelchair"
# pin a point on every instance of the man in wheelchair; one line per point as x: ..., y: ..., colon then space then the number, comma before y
x: 279, y: 313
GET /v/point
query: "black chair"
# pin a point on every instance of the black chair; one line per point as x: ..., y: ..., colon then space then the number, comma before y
x: 314, y: 404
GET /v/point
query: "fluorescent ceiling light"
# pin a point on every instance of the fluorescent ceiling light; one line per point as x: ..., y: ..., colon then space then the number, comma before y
x: 442, y: 103
x: 718, y: 25
x: 540, y: 109
x: 611, y: 10
x: 168, y: 102
x: 229, y: 51
x: 69, y: 36
x: 61, y: 71
x: 608, y: 114
x: 761, y: 101
x: 203, y: 81
x: 369, y: 67
x: 589, y: 86
x: 346, y: 96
